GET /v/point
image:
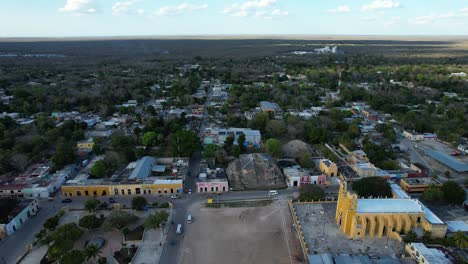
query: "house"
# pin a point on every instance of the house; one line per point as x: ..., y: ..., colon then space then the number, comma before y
x: 413, y: 136
x: 424, y: 255
x: 253, y: 138
x: 463, y: 148
x: 212, y: 185
x: 269, y: 107
x: 328, y: 167
x: 18, y: 217
x: 86, y: 145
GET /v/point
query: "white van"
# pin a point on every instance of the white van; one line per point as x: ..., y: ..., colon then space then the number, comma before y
x: 189, y: 219
x: 179, y: 229
x: 272, y: 193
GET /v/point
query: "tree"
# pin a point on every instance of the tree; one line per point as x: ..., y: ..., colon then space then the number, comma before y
x: 91, y: 252
x: 139, y: 203
x: 228, y: 143
x: 236, y: 150
x: 210, y: 151
x: 311, y: 192
x: 453, y: 192
x: 274, y: 147
x: 184, y: 143
x: 260, y: 121
x: 155, y: 220
x: 73, y: 257
x: 150, y: 139
x: 120, y: 219
x: 64, y: 154
x: 90, y: 221
x: 69, y: 232
x: 305, y: 160
x: 102, y: 260
x: 460, y: 239
x: 372, y: 187
x: 91, y: 205
x: 241, y: 142
x: 98, y: 170
x: 410, y: 236
x: 433, y: 193
x: 51, y: 223
x: 276, y: 128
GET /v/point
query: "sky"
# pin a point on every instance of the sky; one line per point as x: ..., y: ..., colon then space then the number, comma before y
x: 79, y: 18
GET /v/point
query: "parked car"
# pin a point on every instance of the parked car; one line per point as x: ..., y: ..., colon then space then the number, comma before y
x: 112, y: 200
x: 456, y: 153
x: 67, y: 200
x: 175, y: 196
x: 50, y: 199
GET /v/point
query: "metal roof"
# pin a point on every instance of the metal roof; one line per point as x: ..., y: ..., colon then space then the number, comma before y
x: 143, y: 168
x: 448, y: 161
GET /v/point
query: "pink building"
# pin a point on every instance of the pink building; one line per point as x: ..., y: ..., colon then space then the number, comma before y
x: 212, y: 185
x: 316, y: 179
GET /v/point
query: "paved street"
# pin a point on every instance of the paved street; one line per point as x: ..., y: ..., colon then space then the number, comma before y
x: 14, y: 246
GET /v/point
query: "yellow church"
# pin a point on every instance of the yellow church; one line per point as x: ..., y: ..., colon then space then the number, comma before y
x: 378, y: 217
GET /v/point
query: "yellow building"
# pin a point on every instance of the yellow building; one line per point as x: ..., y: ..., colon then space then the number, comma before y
x: 126, y: 188
x: 85, y: 144
x: 328, y: 168
x: 378, y: 217
x: 411, y: 185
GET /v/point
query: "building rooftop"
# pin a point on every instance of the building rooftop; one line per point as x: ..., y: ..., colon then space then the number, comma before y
x: 269, y: 106
x: 421, y: 181
x: 396, y: 189
x: 388, y: 206
x: 448, y: 161
x: 432, y: 255
x: 142, y: 168
x: 454, y: 226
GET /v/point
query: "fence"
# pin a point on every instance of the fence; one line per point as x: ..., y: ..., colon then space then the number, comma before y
x: 297, y: 226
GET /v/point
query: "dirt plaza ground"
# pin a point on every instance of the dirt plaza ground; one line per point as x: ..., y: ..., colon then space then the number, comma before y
x: 241, y: 235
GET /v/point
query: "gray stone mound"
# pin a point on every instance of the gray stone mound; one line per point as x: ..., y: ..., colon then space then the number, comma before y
x: 256, y: 171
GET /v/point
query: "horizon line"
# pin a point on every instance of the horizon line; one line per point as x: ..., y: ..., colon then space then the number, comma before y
x: 234, y: 37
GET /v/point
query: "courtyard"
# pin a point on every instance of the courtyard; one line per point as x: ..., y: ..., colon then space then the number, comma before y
x: 322, y: 234
x: 262, y: 234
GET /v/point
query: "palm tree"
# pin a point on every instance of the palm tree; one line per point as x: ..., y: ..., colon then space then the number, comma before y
x: 92, y: 251
x: 461, y: 240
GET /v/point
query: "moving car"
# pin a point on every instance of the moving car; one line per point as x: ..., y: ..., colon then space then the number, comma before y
x: 175, y: 196
x: 180, y: 229
x: 67, y: 200
x: 272, y: 193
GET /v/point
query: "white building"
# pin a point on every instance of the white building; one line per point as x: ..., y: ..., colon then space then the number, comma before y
x: 463, y: 148
x: 413, y: 136
x: 422, y: 254
x: 253, y: 138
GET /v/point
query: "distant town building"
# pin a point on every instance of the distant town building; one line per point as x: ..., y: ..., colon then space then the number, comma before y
x: 412, y: 185
x: 86, y: 145
x: 413, y: 136
x: 424, y: 255
x: 328, y: 167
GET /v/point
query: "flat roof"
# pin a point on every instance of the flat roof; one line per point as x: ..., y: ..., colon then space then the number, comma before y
x: 388, y: 206
x: 396, y: 189
x: 448, y: 161
x: 432, y: 255
x: 454, y: 226
x: 167, y: 182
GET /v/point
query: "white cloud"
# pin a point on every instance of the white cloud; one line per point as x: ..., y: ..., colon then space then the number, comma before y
x: 257, y: 8
x: 79, y: 7
x: 435, y: 17
x: 340, y: 9
x: 464, y: 10
x: 122, y: 7
x: 380, y: 4
x: 392, y: 21
x: 179, y: 9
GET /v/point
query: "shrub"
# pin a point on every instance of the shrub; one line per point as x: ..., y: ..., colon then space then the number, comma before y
x: 90, y: 222
x: 120, y: 219
x: 311, y: 192
x: 155, y: 220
